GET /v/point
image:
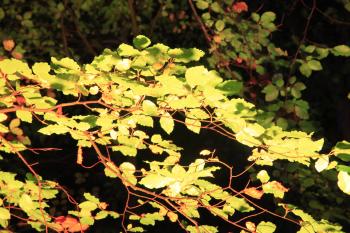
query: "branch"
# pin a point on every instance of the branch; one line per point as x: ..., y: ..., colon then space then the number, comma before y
x: 132, y: 13
x: 199, y: 21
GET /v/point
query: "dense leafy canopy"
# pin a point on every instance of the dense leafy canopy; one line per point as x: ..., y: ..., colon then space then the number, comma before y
x: 130, y: 102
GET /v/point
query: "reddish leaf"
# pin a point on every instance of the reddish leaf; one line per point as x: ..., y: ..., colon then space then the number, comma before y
x: 17, y: 55
x: 239, y: 60
x: 20, y: 100
x: 253, y: 192
x: 239, y: 7
x: 8, y: 44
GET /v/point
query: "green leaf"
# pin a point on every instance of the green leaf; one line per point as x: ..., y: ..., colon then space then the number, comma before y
x: 186, y: 55
x: 343, y: 168
x: 91, y: 198
x: 202, y: 5
x: 239, y: 204
x: 155, y: 181
x: 265, y: 227
x: 67, y: 63
x: 305, y: 70
x: 194, y: 75
x: 88, y: 205
x: 26, y: 203
x: 267, y: 17
x: 197, y: 113
x: 263, y: 176
x: 275, y: 188
x: 123, y: 64
x: 341, y: 50
x: 314, y: 65
x: 167, y: 123
x: 126, y: 150
x: 220, y: 25
x: 111, y: 170
x: 54, y: 129
x: 101, y: 215
x: 150, y: 218
x: 231, y: 87
x: 127, y: 50
x: 149, y: 108
x: 271, y: 92
x: 141, y: 42
x: 342, y: 150
x: 255, y: 17
x: 11, y: 66
x: 4, y: 214
x: 202, y: 229
x: 25, y: 116
x: 344, y: 182
x: 41, y: 68
x: 193, y: 125
x: 127, y: 167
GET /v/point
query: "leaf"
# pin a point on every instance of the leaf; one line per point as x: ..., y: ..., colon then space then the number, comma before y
x: 239, y: 204
x: 186, y: 55
x: 305, y: 70
x: 126, y: 150
x: 342, y: 150
x: 93, y: 90
x: 220, y: 25
x: 101, y: 215
x: 149, y: 108
x: 123, y: 64
x: 322, y: 163
x: 54, y: 129
x: 88, y: 205
x: 202, y: 229
x: 127, y: 167
x: 3, y: 117
x: 341, y: 50
x: 141, y: 42
x: 67, y: 63
x: 172, y: 216
x: 263, y: 176
x: 231, y: 87
x: 275, y: 188
x: 265, y: 227
x: 197, y: 113
x: 193, y: 125
x: 150, y: 218
x: 314, y: 65
x: 194, y: 75
x: 4, y: 214
x: 205, y: 152
x: 271, y: 92
x: 111, y: 170
x: 344, y: 182
x: 26, y: 203
x: 41, y: 68
x: 155, y: 181
x: 14, y: 123
x: 127, y: 50
x: 267, y: 17
x: 253, y: 192
x: 167, y: 123
x: 202, y: 4
x: 91, y: 198
x: 25, y: 116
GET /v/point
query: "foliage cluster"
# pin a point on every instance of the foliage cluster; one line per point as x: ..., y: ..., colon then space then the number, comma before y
x: 129, y: 102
